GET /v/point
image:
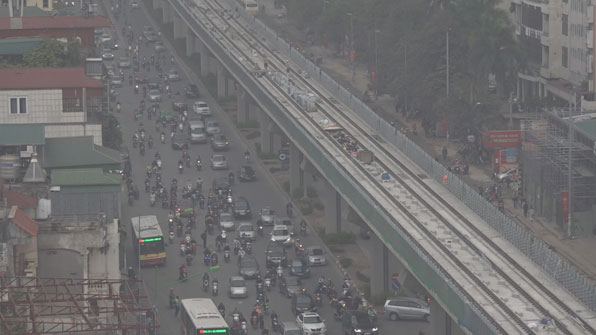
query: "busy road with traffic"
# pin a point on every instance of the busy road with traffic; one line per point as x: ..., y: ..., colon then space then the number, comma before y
x: 153, y: 108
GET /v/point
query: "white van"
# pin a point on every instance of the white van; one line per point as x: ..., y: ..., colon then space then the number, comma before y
x: 197, y: 132
x: 251, y: 7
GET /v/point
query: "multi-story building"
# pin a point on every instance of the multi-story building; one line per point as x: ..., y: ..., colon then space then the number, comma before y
x: 558, y: 37
x: 59, y: 98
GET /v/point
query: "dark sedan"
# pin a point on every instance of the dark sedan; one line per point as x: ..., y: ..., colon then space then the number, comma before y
x: 180, y: 142
x: 192, y: 91
x: 220, y: 142
x: 303, y: 302
x: 241, y: 208
x: 248, y: 267
x: 247, y: 174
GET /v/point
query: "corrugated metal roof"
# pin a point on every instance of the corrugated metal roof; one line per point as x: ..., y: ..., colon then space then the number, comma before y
x: 59, y: 22
x: 22, y: 134
x: 84, y: 177
x: 77, y: 152
x: 46, y: 78
x: 14, y: 198
x: 18, y: 45
x: 23, y: 221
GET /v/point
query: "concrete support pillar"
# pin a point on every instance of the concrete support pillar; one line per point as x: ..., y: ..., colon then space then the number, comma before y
x: 222, y: 87
x: 180, y: 28
x: 231, y: 87
x: 243, y: 114
x: 440, y: 321
x: 204, y: 53
x: 266, y: 133
x: 379, y: 260
x: 190, y: 43
x: 157, y: 4
x: 296, y: 169
x: 166, y: 13
x: 332, y: 203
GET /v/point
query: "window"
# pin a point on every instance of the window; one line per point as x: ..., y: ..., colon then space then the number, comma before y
x: 564, y: 55
x: 564, y: 24
x: 45, y: 3
x: 18, y: 105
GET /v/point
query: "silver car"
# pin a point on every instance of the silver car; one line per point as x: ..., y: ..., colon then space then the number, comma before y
x: 316, y: 256
x: 219, y: 162
x: 267, y: 216
x: 281, y: 234
x: 201, y: 108
x: 212, y: 127
x: 116, y: 82
x: 124, y: 63
x: 238, y: 287
x: 406, y: 308
x: 107, y: 55
x: 154, y: 96
x: 226, y: 221
x: 173, y: 75
x: 134, y: 4
x: 159, y: 47
x: 246, y: 231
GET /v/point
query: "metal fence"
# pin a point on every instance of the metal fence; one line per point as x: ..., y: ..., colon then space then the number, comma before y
x: 551, y: 262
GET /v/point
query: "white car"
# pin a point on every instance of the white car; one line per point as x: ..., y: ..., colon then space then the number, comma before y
x: 107, y: 55
x: 219, y: 162
x: 311, y: 324
x: 508, y: 175
x: 316, y: 255
x: 173, y: 75
x: 237, y: 287
x: 134, y: 4
x: 281, y: 234
x: 226, y: 221
x: 267, y: 217
x: 124, y: 63
x: 154, y: 96
x: 201, y: 108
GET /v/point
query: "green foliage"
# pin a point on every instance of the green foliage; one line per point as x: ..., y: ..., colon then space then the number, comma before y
x: 111, y: 132
x: 286, y: 186
x: 345, y: 262
x: 339, y: 238
x: 253, y: 135
x: 53, y: 53
x: 297, y: 193
x: 248, y: 124
x: 267, y: 155
x: 362, y: 277
x: 311, y: 192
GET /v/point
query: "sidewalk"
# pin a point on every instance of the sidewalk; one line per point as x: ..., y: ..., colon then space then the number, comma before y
x: 576, y: 251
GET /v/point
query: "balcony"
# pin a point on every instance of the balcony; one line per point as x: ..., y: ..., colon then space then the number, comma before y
x: 589, y: 39
x: 590, y: 14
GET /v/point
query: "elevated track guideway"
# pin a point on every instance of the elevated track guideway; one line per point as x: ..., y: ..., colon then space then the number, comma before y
x: 510, y: 291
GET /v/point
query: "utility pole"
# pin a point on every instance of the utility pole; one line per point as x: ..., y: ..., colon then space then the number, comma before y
x: 447, y: 61
x: 406, y: 75
x: 376, y: 63
x: 351, y: 56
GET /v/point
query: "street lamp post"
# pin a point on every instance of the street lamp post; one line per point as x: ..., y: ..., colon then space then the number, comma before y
x: 376, y: 63
x: 352, y: 60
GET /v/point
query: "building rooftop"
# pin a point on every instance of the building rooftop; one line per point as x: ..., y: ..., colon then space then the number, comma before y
x: 57, y: 22
x: 22, y: 134
x: 21, y: 200
x: 84, y: 177
x: 77, y: 152
x: 23, y: 221
x: 18, y: 45
x: 27, y: 11
x: 46, y: 78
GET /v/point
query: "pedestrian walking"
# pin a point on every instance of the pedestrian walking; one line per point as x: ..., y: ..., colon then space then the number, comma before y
x: 515, y: 199
x: 444, y: 152
x: 177, y: 306
x: 204, y: 238
x: 531, y: 213
x: 261, y: 321
x: 525, y: 207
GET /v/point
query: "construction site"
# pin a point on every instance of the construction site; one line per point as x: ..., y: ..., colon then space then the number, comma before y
x: 559, y: 165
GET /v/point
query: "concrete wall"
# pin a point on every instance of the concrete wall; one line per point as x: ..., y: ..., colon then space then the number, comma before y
x: 43, y: 106
x: 72, y: 130
x: 85, y: 204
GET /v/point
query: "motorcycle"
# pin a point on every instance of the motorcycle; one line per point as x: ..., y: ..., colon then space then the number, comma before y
x: 275, y: 324
x: 261, y: 232
x: 227, y: 255
x: 180, y: 168
x: 171, y: 237
x: 188, y: 259
x: 199, y: 165
x: 244, y: 328
x: 152, y: 200
x: 184, y: 275
x: 150, y: 143
x: 162, y: 137
x: 205, y: 284
x: 268, y: 283
x: 182, y: 249
x: 131, y: 199
x: 318, y: 300
x: 248, y: 247
x: 214, y: 288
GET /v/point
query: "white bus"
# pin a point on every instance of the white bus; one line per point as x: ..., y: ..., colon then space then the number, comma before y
x: 201, y: 316
x: 251, y: 6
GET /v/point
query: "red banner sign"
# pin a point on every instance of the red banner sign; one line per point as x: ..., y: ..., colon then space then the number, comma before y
x: 503, y: 138
x: 565, y: 205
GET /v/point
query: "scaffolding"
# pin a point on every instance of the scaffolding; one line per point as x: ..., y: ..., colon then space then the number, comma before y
x: 87, y: 306
x: 549, y: 154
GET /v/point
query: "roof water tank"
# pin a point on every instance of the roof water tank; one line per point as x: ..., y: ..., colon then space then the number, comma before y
x: 9, y: 167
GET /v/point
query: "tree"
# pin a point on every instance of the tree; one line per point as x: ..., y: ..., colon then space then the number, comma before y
x: 53, y: 53
x: 111, y: 132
